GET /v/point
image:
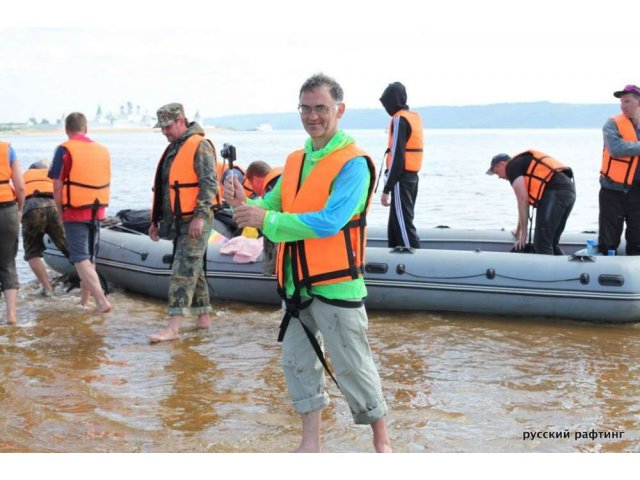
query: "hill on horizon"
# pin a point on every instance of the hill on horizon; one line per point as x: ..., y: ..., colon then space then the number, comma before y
x: 498, y: 115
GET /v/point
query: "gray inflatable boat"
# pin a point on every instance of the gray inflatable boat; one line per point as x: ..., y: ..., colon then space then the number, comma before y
x: 456, y: 270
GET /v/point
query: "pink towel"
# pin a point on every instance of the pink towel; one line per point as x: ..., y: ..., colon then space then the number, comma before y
x: 243, y: 249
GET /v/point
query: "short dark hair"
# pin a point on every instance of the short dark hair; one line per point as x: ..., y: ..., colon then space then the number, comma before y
x: 258, y: 169
x: 75, y: 122
x: 319, y: 80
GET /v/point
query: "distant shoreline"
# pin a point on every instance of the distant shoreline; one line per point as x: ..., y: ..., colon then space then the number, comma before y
x: 60, y: 131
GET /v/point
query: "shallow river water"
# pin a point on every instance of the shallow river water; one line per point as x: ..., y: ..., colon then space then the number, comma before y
x: 73, y: 381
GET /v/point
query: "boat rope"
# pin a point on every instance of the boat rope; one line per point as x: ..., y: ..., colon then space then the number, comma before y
x: 576, y: 279
x: 491, y: 274
x: 443, y: 278
x: 143, y: 255
x: 125, y: 229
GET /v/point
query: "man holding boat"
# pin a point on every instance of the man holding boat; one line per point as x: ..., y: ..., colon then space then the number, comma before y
x: 619, y: 196
x: 185, y: 190
x: 317, y: 213
x: 81, y: 173
x: 39, y: 217
x: 546, y: 185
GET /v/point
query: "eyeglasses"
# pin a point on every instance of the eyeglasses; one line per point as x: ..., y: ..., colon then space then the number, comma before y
x: 320, y: 110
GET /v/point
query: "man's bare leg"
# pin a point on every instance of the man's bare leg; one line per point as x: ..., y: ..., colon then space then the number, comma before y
x: 170, y: 332
x: 310, y: 433
x: 40, y: 271
x: 203, y: 321
x: 11, y: 299
x: 85, y: 294
x: 89, y: 278
x: 381, y: 441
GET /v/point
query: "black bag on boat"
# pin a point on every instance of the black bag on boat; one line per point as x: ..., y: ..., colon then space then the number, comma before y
x: 528, y: 248
x: 138, y: 220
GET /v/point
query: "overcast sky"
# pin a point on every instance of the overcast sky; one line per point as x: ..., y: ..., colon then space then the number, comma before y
x: 251, y: 56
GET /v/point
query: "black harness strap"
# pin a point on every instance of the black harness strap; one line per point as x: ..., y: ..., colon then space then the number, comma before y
x: 94, y: 231
x: 381, y: 168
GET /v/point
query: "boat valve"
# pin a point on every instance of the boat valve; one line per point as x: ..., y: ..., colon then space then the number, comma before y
x: 584, y: 278
x: 400, y: 269
x: 490, y: 273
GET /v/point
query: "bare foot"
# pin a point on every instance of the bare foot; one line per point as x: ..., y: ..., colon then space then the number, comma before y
x: 302, y: 449
x: 11, y: 320
x: 163, y: 336
x: 203, y: 321
x: 383, y: 447
x: 104, y: 308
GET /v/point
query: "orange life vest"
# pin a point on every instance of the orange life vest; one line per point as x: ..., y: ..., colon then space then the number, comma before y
x: 37, y: 183
x: 270, y: 180
x: 6, y: 190
x: 539, y: 173
x: 413, y: 150
x: 88, y: 183
x: 183, y: 179
x: 621, y: 169
x: 320, y: 261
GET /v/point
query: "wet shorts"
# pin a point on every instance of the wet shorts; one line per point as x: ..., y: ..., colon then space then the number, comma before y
x: 35, y: 224
x: 77, y: 234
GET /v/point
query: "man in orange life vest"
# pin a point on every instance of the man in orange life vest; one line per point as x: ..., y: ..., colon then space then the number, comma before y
x: 81, y: 173
x: 403, y: 162
x: 316, y: 211
x: 40, y: 217
x: 542, y: 182
x: 184, y: 195
x: 619, y: 196
x: 262, y: 179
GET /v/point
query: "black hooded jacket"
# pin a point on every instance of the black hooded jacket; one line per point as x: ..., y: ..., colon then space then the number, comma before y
x: 394, y: 99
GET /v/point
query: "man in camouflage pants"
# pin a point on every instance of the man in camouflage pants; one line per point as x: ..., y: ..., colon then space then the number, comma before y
x: 40, y: 216
x: 185, y: 187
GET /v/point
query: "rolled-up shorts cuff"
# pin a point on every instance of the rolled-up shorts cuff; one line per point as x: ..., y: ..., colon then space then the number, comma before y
x: 173, y: 311
x: 317, y: 402
x: 370, y: 416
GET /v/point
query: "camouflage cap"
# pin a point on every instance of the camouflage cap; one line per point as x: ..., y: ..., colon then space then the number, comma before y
x: 169, y: 113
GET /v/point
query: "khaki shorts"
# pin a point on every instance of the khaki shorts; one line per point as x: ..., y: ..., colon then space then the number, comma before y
x: 342, y: 332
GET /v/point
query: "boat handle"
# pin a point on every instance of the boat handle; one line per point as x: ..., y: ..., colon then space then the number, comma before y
x: 376, y: 268
x: 611, y: 280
